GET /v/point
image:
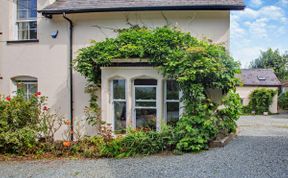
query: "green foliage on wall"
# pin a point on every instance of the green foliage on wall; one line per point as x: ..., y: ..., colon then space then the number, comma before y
x: 260, y: 100
x: 196, y: 65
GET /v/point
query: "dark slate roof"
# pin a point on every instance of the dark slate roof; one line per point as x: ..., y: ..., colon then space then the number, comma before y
x: 80, y: 6
x: 258, y: 77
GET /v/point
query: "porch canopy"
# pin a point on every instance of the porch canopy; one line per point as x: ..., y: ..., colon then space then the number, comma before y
x: 84, y: 6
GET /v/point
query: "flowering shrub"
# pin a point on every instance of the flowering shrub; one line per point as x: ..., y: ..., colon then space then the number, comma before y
x: 19, y: 123
x: 24, y: 122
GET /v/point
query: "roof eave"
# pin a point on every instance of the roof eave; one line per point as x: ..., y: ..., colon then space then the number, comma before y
x: 118, y: 9
x: 256, y: 85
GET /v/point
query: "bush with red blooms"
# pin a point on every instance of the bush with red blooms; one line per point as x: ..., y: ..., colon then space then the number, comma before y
x: 20, y: 120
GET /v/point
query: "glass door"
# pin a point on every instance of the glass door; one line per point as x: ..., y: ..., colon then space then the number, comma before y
x: 145, y: 105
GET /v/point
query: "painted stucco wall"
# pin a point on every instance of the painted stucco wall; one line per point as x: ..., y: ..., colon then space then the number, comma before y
x: 245, y: 91
x: 47, y: 59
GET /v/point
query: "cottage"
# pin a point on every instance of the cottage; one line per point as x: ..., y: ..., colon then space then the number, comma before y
x: 36, y: 49
x: 258, y: 78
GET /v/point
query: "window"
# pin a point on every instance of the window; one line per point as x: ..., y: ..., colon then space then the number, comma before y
x: 28, y: 86
x: 145, y: 103
x: 172, y: 105
x: 26, y: 19
x: 119, y: 105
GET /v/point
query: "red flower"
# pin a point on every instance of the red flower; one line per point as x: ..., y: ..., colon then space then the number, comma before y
x: 8, y: 98
x: 38, y: 93
x: 45, y: 108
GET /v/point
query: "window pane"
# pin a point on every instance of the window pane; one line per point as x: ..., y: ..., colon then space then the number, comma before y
x: 118, y: 89
x: 23, y: 30
x: 145, y: 82
x: 172, y: 112
x: 145, y: 104
x: 33, y: 9
x: 145, y: 93
x: 22, y: 9
x: 120, y: 116
x: 146, y: 118
x: 26, y: 9
x: 172, y: 90
x: 33, y: 30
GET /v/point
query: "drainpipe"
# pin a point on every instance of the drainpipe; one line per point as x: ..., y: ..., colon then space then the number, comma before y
x: 70, y: 73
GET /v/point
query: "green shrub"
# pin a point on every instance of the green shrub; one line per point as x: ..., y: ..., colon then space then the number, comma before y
x: 89, y: 147
x: 283, y: 100
x: 193, y: 133
x: 231, y: 112
x: 20, y: 141
x: 140, y: 142
x: 260, y: 100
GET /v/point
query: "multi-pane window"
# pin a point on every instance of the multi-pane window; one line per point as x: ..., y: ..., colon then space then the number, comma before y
x: 119, y: 105
x: 172, y: 105
x: 145, y: 103
x: 26, y: 19
x: 28, y: 88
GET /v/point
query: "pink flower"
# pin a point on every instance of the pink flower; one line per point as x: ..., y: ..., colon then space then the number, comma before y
x: 8, y: 98
x: 38, y: 93
x: 45, y: 108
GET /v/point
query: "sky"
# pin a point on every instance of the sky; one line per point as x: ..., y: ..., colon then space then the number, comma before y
x: 262, y: 25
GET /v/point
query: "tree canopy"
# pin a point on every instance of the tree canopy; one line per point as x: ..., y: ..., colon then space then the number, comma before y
x: 272, y: 59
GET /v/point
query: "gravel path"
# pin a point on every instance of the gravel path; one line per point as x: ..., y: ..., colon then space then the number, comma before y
x: 257, y: 152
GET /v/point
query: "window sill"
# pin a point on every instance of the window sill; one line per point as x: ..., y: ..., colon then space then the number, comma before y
x: 22, y: 41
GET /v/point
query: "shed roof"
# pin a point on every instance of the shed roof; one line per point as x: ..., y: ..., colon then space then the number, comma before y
x: 81, y: 6
x: 259, y: 77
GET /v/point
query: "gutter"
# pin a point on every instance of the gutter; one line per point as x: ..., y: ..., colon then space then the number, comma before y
x: 70, y: 74
x: 48, y: 11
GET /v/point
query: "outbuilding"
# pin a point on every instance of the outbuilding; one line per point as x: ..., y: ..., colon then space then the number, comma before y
x: 253, y: 79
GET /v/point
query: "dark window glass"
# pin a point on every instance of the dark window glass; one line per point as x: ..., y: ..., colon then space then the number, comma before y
x: 172, y: 113
x: 118, y: 89
x: 145, y: 93
x: 146, y: 119
x: 172, y: 90
x: 119, y: 116
x: 145, y: 82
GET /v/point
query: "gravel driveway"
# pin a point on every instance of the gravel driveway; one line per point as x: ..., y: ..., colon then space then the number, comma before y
x: 260, y: 150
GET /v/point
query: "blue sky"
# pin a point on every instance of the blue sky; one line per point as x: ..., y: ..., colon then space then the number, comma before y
x: 263, y: 24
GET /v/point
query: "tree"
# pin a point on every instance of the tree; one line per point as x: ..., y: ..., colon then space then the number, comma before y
x: 272, y: 59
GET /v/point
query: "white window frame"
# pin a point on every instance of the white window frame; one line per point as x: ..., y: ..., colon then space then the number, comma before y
x: 166, y: 101
x: 17, y: 21
x: 134, y: 107
x: 117, y: 100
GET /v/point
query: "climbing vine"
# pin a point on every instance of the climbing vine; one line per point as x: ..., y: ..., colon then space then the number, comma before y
x: 196, y: 65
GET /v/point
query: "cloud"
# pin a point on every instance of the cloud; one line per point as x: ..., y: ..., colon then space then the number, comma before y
x: 285, y: 2
x: 258, y: 27
x: 246, y: 54
x: 269, y: 12
x: 256, y: 2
